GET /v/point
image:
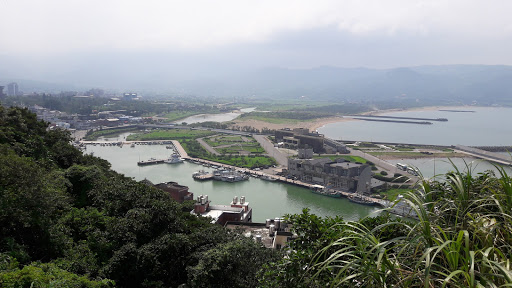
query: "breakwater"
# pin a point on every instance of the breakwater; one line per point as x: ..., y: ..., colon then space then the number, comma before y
x: 401, y: 118
x: 458, y: 111
x: 395, y: 121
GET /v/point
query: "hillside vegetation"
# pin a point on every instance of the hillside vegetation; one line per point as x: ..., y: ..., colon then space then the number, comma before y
x: 67, y: 220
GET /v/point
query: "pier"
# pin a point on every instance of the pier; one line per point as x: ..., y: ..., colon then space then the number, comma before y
x: 401, y: 118
x: 395, y: 121
x: 486, y: 155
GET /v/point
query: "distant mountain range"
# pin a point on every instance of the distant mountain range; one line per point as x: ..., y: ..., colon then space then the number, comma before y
x: 445, y: 83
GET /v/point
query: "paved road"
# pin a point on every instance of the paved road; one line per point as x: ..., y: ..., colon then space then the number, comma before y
x: 390, y: 168
x: 181, y: 151
x: 207, y: 147
x: 281, y: 158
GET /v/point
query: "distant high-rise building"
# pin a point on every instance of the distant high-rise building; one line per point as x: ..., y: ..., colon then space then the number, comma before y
x: 2, y: 92
x: 12, y: 89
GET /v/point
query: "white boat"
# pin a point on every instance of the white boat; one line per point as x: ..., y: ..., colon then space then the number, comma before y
x: 175, y: 158
x: 267, y: 178
x: 229, y: 176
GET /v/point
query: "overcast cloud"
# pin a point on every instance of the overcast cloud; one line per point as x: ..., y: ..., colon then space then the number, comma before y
x: 369, y: 33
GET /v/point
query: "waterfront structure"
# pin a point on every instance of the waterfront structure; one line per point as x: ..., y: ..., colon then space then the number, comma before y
x: 300, y: 138
x: 339, y: 174
x: 238, y: 211
x: 12, y: 89
x: 178, y: 192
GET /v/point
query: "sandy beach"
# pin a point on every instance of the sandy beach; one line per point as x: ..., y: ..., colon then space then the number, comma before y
x: 317, y: 123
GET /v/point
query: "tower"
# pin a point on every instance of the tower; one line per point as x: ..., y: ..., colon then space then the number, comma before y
x: 12, y: 89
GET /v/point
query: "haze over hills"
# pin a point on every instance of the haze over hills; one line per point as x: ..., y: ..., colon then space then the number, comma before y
x: 464, y: 83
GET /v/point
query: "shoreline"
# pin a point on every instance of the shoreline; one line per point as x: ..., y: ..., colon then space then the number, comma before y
x: 319, y: 124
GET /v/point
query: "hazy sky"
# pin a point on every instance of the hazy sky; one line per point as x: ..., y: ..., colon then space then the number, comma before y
x: 371, y: 33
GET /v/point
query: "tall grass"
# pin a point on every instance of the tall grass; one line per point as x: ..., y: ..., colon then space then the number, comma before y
x: 462, y: 238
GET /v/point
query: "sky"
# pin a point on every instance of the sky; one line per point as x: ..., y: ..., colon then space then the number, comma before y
x: 62, y: 37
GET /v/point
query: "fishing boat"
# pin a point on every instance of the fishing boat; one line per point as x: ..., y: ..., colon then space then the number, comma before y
x: 229, y: 176
x: 202, y: 175
x: 175, y: 158
x: 267, y: 178
x: 360, y: 199
x: 325, y: 191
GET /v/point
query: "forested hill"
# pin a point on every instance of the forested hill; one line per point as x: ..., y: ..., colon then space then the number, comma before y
x: 67, y: 220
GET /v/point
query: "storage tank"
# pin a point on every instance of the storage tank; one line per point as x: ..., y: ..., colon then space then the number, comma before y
x: 235, y: 199
x: 258, y: 238
x: 271, y: 230
x: 267, y: 223
x: 277, y: 223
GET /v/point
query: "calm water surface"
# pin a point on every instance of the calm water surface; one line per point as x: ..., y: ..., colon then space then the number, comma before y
x: 268, y: 199
x: 487, y: 126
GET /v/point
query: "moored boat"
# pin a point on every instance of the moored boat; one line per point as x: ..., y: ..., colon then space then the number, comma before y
x: 175, y: 158
x: 359, y: 199
x: 268, y: 178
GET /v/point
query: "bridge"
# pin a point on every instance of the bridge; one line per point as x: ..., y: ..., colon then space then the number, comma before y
x: 486, y: 155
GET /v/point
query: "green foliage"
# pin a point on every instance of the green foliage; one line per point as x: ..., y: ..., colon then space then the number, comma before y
x: 172, y: 134
x: 67, y: 220
x: 47, y: 275
x: 349, y: 158
x: 228, y: 264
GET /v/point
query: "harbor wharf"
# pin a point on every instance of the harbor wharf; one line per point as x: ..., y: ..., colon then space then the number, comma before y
x: 399, y: 117
x: 486, y: 155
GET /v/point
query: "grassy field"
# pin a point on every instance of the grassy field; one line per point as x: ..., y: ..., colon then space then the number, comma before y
x: 172, y: 134
x: 391, y: 194
x: 224, y: 140
x: 252, y: 148
x: 236, y: 143
x: 244, y: 161
x: 346, y: 157
x: 107, y: 132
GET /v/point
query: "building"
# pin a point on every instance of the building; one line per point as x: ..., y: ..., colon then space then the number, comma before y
x: 300, y: 138
x: 274, y: 233
x: 339, y: 174
x: 178, y: 192
x: 130, y: 96
x: 12, y: 89
x: 237, y: 211
x: 2, y: 95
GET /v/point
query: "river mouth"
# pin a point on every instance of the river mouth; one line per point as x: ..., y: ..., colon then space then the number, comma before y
x: 221, y: 117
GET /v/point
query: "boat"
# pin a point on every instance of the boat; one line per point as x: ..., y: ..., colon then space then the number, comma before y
x: 229, y: 176
x: 327, y: 192
x: 175, y: 158
x: 150, y: 162
x: 202, y: 175
x: 267, y: 178
x: 360, y: 199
